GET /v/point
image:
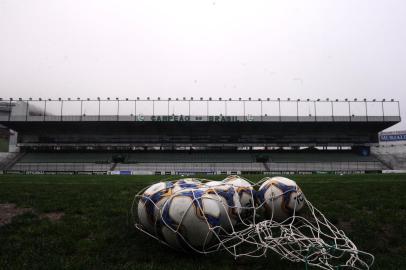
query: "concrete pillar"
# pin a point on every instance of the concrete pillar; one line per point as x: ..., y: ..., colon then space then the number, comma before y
x: 12, y: 145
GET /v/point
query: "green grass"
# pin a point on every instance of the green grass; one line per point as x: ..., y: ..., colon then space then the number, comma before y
x: 95, y: 232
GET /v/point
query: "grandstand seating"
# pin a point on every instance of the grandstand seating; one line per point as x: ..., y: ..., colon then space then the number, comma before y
x: 198, y: 157
x: 200, y: 162
x: 190, y: 157
x: 61, y: 167
x: 69, y: 141
x: 323, y: 156
x: 193, y: 167
x: 255, y: 167
x: 327, y: 166
x: 64, y: 162
x: 66, y: 157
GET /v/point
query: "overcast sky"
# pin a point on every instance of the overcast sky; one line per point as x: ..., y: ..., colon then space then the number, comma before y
x: 171, y: 48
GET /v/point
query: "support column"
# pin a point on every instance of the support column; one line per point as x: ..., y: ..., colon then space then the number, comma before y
x: 12, y: 145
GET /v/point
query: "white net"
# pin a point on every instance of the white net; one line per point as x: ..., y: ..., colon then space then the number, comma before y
x: 244, y: 219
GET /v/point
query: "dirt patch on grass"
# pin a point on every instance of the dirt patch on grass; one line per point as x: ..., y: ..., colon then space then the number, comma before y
x: 367, y: 210
x: 346, y: 226
x: 10, y: 210
x: 385, y: 237
x: 52, y: 216
x: 388, y: 231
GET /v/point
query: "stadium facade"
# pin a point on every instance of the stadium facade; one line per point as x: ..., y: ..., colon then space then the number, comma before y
x: 170, y: 136
x: 391, y: 149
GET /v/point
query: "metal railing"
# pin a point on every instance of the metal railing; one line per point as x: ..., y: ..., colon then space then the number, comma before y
x: 261, y: 109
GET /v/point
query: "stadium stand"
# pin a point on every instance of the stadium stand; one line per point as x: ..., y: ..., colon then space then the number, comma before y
x: 4, y: 157
x: 61, y: 167
x: 8, y: 159
x: 394, y: 156
x: 189, y: 157
x: 64, y: 162
x: 185, y: 168
x: 391, y: 149
x: 253, y: 167
x: 66, y: 158
x: 51, y: 139
x: 200, y: 162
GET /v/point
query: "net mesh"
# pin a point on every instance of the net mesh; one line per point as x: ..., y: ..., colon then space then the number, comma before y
x: 243, y: 229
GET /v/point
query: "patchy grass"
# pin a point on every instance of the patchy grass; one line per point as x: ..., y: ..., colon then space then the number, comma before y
x: 92, y: 229
x: 53, y: 216
x: 8, y: 211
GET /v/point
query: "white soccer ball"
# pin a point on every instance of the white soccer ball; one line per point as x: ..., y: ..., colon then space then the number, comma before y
x: 229, y: 203
x: 151, y: 202
x: 244, y: 190
x: 280, y: 197
x: 190, y: 219
x: 212, y: 183
x: 186, y: 183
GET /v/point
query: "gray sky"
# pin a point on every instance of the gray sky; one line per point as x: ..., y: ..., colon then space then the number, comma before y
x: 296, y: 49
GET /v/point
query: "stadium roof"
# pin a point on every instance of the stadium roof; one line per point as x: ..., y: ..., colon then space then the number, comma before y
x: 216, y: 123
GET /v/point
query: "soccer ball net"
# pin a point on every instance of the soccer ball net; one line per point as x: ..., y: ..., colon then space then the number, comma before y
x: 244, y: 219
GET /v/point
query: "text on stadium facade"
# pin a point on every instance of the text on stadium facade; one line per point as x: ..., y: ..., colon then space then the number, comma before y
x: 393, y: 137
x: 187, y: 118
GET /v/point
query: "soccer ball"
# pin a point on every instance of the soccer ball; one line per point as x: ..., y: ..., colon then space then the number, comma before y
x: 185, y: 183
x: 244, y: 191
x: 189, y: 219
x: 212, y: 183
x: 151, y: 203
x: 280, y: 197
x: 229, y: 203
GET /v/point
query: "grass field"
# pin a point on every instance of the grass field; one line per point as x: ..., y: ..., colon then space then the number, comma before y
x: 94, y: 232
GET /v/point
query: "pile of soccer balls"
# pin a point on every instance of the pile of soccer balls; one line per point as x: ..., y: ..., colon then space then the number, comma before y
x: 198, y: 214
x: 244, y: 219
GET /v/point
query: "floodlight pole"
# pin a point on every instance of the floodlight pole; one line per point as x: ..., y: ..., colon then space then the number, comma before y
x: 225, y: 107
x: 349, y: 110
x: 279, y: 108
x: 153, y: 107
x: 189, y: 108
x: 332, y: 110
